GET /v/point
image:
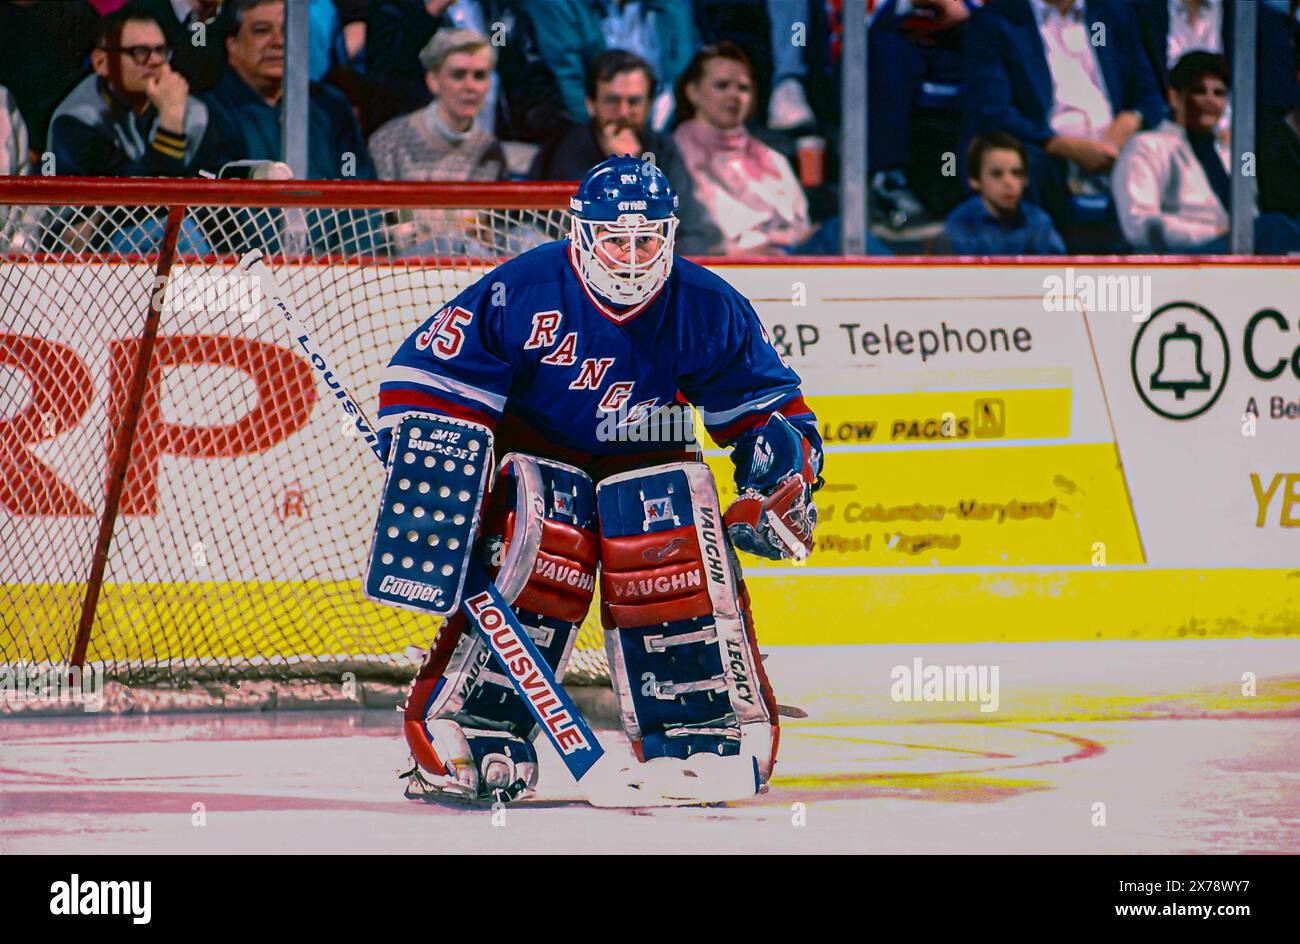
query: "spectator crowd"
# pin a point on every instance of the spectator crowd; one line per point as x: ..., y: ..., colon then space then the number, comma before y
x: 996, y: 127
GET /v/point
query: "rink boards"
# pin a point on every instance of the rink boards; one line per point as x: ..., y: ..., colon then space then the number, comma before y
x: 1121, y: 455
x: 1013, y: 452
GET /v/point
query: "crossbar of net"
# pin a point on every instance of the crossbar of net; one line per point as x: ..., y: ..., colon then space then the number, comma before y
x: 249, y: 500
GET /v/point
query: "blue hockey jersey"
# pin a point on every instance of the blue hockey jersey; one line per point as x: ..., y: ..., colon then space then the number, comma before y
x: 556, y: 371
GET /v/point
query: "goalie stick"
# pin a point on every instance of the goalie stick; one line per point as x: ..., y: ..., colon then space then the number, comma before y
x: 481, y: 602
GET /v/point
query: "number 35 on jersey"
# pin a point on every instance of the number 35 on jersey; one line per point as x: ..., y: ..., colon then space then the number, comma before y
x: 444, y: 336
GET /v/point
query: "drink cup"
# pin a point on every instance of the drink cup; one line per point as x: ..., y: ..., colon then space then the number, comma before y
x: 811, y: 155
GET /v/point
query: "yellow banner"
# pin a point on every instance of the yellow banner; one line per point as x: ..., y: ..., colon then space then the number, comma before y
x: 1010, y: 506
x: 929, y: 417
x: 953, y: 416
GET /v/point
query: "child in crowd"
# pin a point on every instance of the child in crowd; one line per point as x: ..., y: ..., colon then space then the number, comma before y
x: 996, y: 221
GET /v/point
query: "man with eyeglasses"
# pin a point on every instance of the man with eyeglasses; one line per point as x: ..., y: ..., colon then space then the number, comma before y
x: 133, y: 116
x: 196, y: 30
x: 620, y: 89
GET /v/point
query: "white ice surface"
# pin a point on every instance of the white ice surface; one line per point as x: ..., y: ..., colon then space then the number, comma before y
x: 863, y: 772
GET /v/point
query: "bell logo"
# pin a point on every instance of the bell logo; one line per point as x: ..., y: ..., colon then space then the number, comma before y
x: 1180, y: 361
x: 1186, y: 373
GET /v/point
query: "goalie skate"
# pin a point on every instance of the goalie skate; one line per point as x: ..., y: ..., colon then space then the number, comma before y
x: 481, y: 767
x: 668, y: 781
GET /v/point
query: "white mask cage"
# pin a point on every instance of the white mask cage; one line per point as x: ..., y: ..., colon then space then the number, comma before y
x: 600, y: 244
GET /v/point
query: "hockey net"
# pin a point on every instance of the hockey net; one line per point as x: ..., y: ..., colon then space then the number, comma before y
x: 182, y: 504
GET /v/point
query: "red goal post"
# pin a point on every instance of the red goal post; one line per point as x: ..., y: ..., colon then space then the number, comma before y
x: 180, y: 501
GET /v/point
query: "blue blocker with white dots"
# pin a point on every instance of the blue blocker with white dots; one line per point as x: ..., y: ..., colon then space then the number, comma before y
x: 429, y: 513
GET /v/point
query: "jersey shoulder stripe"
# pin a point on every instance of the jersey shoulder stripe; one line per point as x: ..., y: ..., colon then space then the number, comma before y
x: 400, y: 376
x: 393, y: 405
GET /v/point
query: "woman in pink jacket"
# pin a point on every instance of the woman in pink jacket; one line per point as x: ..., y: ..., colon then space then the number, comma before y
x: 748, y: 188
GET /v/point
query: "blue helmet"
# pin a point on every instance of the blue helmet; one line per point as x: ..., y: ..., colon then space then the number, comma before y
x: 623, y: 228
x: 619, y: 185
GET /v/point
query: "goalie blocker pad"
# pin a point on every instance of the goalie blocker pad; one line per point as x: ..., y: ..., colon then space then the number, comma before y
x: 680, y: 641
x: 429, y: 513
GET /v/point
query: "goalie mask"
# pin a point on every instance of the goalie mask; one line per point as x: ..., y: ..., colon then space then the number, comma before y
x: 623, y: 227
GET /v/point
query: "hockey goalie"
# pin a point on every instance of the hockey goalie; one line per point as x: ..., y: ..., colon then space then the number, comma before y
x: 569, y: 354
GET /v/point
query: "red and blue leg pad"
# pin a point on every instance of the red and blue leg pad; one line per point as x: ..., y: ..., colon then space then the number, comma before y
x: 683, y: 657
